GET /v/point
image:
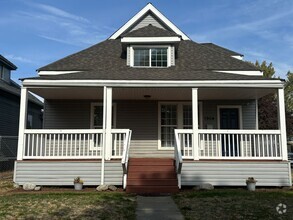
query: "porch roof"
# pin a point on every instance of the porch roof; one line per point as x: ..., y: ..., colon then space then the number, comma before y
x: 159, y: 94
x: 170, y: 73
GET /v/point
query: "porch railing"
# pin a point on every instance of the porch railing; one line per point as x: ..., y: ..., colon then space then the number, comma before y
x: 232, y: 144
x: 125, y: 157
x: 178, y: 158
x: 70, y: 143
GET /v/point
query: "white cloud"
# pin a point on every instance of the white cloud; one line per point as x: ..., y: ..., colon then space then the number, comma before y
x: 55, y: 24
x: 18, y: 58
x: 58, y: 12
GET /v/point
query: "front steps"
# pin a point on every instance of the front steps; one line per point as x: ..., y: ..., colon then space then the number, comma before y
x: 151, y: 176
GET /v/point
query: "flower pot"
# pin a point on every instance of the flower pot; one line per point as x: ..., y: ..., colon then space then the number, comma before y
x: 78, y: 186
x: 251, y: 186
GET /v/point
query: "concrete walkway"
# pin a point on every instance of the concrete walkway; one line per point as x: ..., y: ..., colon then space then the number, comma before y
x: 157, y: 207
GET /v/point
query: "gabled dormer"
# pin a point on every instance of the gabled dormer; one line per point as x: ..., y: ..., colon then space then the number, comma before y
x: 150, y: 46
x: 150, y: 39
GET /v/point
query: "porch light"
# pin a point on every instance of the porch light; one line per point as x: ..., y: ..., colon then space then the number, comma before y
x: 147, y: 96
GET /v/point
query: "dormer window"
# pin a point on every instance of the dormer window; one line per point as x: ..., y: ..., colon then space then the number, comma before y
x: 154, y: 57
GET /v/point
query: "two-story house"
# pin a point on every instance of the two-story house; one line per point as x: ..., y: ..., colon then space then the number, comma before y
x: 9, y: 113
x: 152, y: 110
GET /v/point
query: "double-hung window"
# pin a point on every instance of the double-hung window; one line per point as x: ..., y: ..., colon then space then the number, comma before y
x: 97, y: 122
x: 150, y: 57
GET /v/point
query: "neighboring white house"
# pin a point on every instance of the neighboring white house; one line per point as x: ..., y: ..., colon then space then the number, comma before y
x: 164, y: 96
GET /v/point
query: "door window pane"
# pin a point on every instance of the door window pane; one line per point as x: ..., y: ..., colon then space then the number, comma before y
x: 187, y: 116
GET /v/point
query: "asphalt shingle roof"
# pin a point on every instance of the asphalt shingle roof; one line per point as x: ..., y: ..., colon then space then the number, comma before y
x: 221, y: 49
x: 107, y: 60
x: 151, y: 31
x: 108, y: 55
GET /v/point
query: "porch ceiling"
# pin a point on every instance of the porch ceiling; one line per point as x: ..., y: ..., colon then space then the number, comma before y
x: 152, y: 93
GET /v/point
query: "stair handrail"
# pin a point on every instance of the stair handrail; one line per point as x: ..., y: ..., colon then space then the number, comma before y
x: 125, y: 156
x: 178, y: 157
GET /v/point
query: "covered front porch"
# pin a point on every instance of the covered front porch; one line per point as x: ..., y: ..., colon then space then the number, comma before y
x: 160, y: 119
x: 115, y: 123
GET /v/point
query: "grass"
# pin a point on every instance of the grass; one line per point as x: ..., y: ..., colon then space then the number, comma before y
x: 6, y: 183
x: 234, y: 204
x: 16, y: 204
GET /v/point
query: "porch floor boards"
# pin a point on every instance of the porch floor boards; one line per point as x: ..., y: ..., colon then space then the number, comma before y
x: 151, y: 176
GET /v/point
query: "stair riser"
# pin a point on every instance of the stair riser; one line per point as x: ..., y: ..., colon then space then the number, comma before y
x: 151, y: 189
x: 151, y: 168
x: 151, y: 163
x: 151, y: 175
x: 147, y: 182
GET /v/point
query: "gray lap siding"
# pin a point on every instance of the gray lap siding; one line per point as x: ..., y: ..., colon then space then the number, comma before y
x: 63, y: 172
x: 139, y: 116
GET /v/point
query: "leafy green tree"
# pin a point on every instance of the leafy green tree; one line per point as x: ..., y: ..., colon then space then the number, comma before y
x: 289, y: 103
x: 268, y: 105
x: 289, y: 92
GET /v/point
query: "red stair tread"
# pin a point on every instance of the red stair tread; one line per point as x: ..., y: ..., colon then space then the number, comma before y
x: 151, y: 175
x: 152, y: 189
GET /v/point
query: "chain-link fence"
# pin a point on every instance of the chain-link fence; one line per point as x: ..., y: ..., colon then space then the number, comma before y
x: 8, y: 152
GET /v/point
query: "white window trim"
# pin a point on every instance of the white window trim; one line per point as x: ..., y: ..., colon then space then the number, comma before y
x: 131, y: 50
x: 239, y: 107
x: 150, y: 39
x: 93, y: 104
x: 179, y: 119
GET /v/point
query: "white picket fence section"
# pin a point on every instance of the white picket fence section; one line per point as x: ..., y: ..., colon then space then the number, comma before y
x: 232, y: 144
x: 70, y: 143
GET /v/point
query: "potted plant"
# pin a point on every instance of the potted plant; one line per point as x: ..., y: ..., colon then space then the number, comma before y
x: 78, y: 183
x: 251, y: 182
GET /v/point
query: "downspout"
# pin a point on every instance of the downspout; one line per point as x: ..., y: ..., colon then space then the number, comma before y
x: 104, y: 136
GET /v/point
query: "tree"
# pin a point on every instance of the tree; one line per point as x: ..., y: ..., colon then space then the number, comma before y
x: 289, y: 92
x: 289, y: 103
x: 268, y: 105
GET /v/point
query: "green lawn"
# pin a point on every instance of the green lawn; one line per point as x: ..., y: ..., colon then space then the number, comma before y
x: 234, y: 204
x: 93, y: 205
x: 63, y: 203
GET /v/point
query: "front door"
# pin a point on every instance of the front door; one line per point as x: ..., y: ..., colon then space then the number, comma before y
x: 229, y: 119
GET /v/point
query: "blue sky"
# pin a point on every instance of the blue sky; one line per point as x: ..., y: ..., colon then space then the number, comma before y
x: 37, y: 32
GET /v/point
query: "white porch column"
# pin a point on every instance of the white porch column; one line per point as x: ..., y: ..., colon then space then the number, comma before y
x: 282, y: 122
x: 104, y: 135
x: 22, y: 122
x: 256, y: 114
x: 108, y: 123
x: 195, y: 123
